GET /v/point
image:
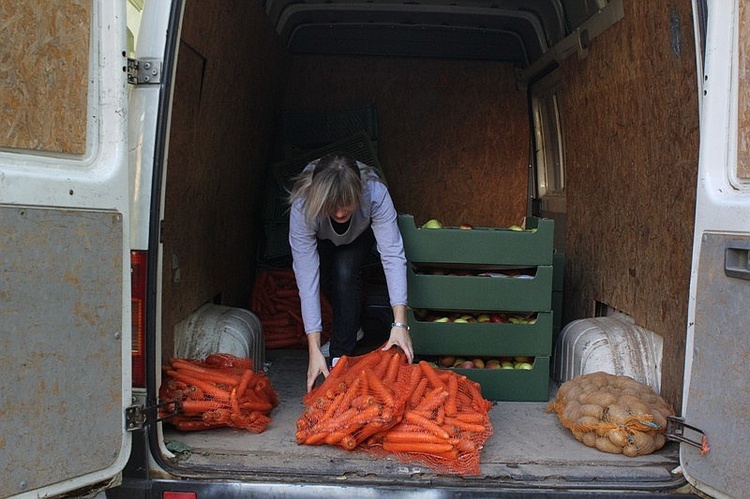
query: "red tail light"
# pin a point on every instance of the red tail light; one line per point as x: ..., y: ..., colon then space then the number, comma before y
x: 138, y: 260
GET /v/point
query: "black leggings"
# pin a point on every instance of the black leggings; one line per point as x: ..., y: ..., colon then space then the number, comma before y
x: 341, y: 281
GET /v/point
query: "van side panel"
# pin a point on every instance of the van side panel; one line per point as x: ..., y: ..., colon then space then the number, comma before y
x: 631, y: 116
x: 218, y: 159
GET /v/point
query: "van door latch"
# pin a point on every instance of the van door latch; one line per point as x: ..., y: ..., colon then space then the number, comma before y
x: 137, y: 417
x: 144, y: 71
x: 676, y: 431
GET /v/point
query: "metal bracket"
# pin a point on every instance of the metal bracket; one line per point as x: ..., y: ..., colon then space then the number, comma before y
x: 137, y: 417
x: 676, y: 431
x: 144, y: 71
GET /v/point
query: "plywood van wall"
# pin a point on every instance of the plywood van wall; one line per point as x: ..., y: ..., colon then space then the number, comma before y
x: 453, y: 135
x: 631, y: 116
x: 221, y: 142
x: 43, y: 82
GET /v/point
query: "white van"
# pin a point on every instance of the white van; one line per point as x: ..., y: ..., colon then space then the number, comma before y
x: 135, y: 157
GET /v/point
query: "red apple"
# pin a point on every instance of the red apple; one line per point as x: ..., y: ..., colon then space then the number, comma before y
x: 492, y: 364
x: 467, y: 365
x: 478, y: 363
x: 447, y: 360
x: 466, y: 226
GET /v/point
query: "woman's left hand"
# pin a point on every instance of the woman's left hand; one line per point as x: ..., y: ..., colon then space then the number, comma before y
x: 400, y: 337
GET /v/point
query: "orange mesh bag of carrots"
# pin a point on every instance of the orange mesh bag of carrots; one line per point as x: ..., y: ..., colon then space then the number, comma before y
x: 221, y: 390
x: 380, y: 404
x: 445, y: 424
x: 612, y: 413
x: 360, y: 397
x: 275, y: 300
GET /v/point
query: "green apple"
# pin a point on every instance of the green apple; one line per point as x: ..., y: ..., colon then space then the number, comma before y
x: 461, y: 320
x: 442, y: 319
x: 523, y: 365
x: 516, y: 227
x: 432, y: 223
x: 459, y: 361
x: 484, y: 318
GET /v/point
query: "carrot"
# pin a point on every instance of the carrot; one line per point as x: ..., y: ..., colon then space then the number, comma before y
x: 430, y: 373
x: 258, y: 405
x: 432, y: 400
x: 413, y: 436
x: 316, y: 438
x: 349, y: 395
x: 464, y: 444
x: 421, y: 447
x: 471, y: 417
x: 450, y: 403
x: 379, y: 389
x: 418, y: 394
x: 247, y: 375
x: 199, y: 406
x: 339, y: 368
x: 207, y: 388
x: 234, y: 402
x: 427, y: 424
x: 370, y: 429
x: 440, y: 416
x: 393, y: 366
x: 464, y: 426
x: 204, y: 374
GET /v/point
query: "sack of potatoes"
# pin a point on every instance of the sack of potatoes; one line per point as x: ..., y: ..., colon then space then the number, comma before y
x: 614, y: 414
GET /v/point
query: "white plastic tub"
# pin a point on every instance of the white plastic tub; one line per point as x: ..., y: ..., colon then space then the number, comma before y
x: 611, y: 344
x: 220, y: 329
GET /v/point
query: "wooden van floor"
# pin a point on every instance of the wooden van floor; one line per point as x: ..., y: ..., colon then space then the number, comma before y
x: 529, y: 447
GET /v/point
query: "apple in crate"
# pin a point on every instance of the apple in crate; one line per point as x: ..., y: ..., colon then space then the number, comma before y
x: 442, y: 319
x: 478, y: 363
x: 523, y: 365
x: 447, y: 360
x: 492, y: 364
x: 458, y: 361
x: 468, y: 364
x: 432, y: 223
x: 484, y: 318
x: 466, y: 226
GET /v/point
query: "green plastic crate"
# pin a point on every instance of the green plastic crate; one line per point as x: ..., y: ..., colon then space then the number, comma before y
x: 450, y: 292
x: 485, y: 339
x: 479, y: 246
x: 513, y: 385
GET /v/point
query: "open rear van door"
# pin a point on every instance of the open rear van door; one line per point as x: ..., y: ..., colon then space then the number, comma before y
x: 717, y: 386
x: 65, y: 322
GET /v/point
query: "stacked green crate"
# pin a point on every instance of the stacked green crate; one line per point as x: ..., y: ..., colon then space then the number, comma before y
x: 469, y: 278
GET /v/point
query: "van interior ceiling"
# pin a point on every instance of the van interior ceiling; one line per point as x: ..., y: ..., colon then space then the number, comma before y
x: 450, y: 82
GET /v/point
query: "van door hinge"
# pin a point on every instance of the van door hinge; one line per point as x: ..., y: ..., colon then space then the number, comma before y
x: 676, y: 431
x: 137, y: 417
x: 144, y: 71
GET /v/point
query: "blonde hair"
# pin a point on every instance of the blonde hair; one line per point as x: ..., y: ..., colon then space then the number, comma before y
x: 335, y: 182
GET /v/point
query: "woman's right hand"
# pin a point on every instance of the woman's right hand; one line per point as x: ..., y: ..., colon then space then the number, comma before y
x: 316, y: 365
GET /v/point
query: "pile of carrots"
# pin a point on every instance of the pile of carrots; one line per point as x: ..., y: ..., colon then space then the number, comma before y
x: 379, y: 403
x: 275, y: 300
x: 221, y: 390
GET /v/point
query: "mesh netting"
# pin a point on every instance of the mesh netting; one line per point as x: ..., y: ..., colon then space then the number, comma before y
x: 220, y: 390
x: 380, y: 404
x: 275, y: 300
x: 614, y: 414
